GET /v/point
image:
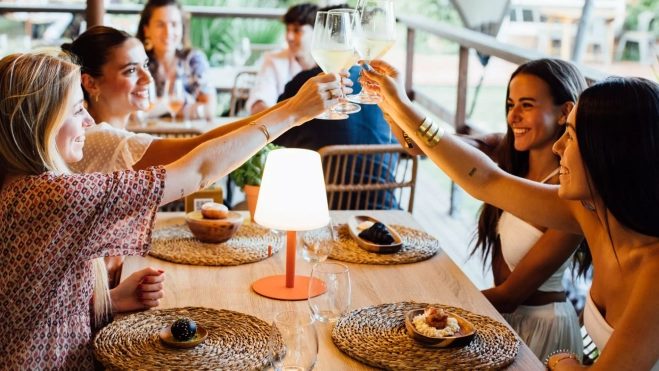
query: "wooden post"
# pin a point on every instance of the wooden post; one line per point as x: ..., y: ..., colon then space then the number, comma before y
x: 409, y: 63
x: 461, y: 109
x: 580, y: 44
x: 460, y: 117
x: 94, y: 13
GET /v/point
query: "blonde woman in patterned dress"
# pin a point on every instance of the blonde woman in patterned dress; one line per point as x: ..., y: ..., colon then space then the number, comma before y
x: 55, y: 223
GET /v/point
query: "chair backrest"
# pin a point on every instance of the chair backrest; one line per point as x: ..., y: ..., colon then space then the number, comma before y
x: 240, y: 92
x: 644, y: 20
x: 369, y: 177
x: 590, y: 351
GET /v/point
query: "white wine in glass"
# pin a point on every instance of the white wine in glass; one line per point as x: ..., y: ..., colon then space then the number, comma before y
x: 374, y: 34
x: 332, y: 49
x: 347, y: 107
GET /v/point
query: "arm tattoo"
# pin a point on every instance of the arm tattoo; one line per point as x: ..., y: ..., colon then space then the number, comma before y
x: 471, y: 173
x: 182, y: 192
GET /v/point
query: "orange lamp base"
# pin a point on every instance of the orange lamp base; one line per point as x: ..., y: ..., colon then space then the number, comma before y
x: 274, y: 287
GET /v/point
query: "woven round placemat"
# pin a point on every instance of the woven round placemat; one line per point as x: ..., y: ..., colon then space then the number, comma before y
x: 235, y: 341
x: 417, y: 246
x: 250, y: 244
x: 377, y: 336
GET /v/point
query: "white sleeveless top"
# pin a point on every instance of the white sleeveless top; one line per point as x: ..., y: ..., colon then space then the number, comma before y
x: 108, y: 149
x: 597, y: 327
x: 517, y: 239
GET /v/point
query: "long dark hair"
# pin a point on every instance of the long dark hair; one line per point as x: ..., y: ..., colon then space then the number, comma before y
x: 92, y: 49
x: 617, y: 126
x: 145, y: 18
x: 565, y: 82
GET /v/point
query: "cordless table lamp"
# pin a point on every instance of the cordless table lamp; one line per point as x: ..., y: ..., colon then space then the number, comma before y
x: 292, y: 198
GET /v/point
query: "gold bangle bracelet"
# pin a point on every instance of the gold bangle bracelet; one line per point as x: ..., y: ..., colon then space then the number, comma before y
x: 570, y: 356
x: 425, y: 126
x: 265, y: 132
x: 431, y: 133
x: 434, y: 140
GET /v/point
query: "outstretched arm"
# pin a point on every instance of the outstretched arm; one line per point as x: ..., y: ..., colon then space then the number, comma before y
x: 214, y: 159
x: 166, y: 151
x: 477, y: 174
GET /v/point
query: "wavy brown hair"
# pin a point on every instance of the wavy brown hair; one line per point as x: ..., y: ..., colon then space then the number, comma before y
x: 565, y: 83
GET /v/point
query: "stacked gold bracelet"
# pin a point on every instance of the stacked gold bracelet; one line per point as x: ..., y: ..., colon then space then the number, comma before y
x: 430, y: 132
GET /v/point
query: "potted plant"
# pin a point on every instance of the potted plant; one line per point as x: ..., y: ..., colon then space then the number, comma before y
x: 248, y: 176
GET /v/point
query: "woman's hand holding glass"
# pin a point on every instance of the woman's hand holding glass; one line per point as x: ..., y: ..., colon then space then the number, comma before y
x: 385, y: 80
x: 318, y: 94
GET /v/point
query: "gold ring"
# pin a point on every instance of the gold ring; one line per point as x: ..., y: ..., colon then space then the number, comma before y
x: 332, y: 96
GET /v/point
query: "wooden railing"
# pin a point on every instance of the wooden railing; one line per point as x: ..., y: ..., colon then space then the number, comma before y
x: 467, y: 39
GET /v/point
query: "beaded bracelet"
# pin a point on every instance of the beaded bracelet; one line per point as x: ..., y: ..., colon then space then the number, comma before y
x: 570, y: 355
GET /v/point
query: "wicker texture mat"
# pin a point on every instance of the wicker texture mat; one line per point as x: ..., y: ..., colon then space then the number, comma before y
x: 236, y: 341
x: 250, y: 244
x: 417, y: 246
x: 377, y: 336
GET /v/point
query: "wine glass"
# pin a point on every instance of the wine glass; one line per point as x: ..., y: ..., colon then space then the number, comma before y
x: 242, y: 52
x: 317, y: 244
x: 374, y: 35
x: 331, y: 48
x: 299, y: 351
x: 175, y: 98
x: 334, y: 302
x: 346, y: 107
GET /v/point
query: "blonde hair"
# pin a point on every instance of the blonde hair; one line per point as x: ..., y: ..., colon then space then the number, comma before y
x: 35, y: 89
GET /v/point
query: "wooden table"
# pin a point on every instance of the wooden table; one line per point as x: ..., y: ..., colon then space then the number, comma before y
x: 437, y: 280
x: 164, y: 126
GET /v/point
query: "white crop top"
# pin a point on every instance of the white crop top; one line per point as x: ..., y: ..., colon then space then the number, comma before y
x: 597, y: 327
x: 517, y: 239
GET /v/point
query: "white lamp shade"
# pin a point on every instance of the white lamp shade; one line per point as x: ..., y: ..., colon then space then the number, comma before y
x: 292, y: 195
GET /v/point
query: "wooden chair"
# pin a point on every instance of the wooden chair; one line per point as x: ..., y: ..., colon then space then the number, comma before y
x: 590, y: 351
x: 369, y: 177
x: 240, y: 92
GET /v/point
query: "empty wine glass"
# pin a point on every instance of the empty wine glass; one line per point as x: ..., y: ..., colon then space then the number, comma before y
x: 374, y: 35
x: 332, y: 49
x: 175, y: 98
x: 317, y: 244
x: 297, y: 332
x: 347, y: 107
x: 242, y: 52
x: 334, y: 302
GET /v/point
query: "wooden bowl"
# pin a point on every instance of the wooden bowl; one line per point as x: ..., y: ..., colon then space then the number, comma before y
x: 355, y: 220
x: 167, y: 338
x: 213, y: 230
x: 461, y: 338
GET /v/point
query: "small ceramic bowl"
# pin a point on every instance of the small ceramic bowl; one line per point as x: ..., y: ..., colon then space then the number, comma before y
x: 393, y: 248
x: 167, y: 338
x: 213, y: 230
x: 461, y: 338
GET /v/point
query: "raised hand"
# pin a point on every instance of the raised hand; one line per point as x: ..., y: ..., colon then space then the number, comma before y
x: 318, y: 94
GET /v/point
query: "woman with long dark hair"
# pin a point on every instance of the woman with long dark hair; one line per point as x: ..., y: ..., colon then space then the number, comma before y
x: 609, y: 192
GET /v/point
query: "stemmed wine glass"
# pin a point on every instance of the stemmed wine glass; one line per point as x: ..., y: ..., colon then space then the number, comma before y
x: 374, y: 35
x: 346, y: 107
x: 293, y: 343
x: 332, y: 49
x: 175, y: 98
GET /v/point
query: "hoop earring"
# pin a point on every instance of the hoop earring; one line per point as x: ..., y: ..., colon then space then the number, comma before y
x: 148, y: 45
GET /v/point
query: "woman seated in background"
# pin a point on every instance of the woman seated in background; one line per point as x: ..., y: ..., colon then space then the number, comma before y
x: 280, y: 67
x: 161, y: 31
x: 609, y: 192
x: 115, y: 81
x: 55, y: 223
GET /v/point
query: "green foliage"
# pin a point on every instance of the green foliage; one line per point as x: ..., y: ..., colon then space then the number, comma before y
x: 633, y: 10
x: 250, y: 172
x: 219, y: 36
